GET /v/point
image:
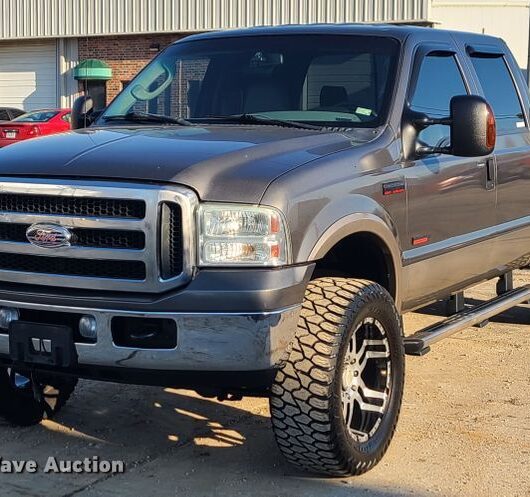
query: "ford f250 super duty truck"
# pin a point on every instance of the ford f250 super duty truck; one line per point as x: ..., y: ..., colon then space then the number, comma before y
x: 253, y: 214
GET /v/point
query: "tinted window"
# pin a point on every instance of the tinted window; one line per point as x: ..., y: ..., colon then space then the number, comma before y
x: 4, y: 115
x: 329, y: 80
x: 439, y: 79
x: 39, y: 116
x: 346, y: 83
x: 500, y: 91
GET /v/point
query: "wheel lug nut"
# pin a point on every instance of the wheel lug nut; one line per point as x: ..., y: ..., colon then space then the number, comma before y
x: 356, y: 373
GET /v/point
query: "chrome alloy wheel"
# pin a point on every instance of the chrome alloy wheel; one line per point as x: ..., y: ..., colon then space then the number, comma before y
x: 366, y: 380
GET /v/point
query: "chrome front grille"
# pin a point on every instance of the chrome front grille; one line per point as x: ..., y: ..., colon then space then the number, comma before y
x: 121, y: 239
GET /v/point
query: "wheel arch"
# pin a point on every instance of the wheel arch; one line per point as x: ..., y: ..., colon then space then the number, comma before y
x: 373, y: 236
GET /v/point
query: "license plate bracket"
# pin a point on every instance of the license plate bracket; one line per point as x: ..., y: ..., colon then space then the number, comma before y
x: 42, y: 344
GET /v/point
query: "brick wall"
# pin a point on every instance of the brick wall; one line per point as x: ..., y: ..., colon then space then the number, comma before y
x: 125, y: 54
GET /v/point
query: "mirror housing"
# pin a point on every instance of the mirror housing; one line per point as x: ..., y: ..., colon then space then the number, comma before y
x: 472, y: 124
x: 473, y: 128
x: 82, y: 112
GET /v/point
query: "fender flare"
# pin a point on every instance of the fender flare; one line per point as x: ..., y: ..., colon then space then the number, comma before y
x: 362, y: 223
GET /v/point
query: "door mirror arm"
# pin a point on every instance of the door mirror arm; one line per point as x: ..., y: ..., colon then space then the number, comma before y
x: 423, y: 121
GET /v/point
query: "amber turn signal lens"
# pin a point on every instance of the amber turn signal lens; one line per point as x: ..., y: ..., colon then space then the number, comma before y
x: 491, y: 132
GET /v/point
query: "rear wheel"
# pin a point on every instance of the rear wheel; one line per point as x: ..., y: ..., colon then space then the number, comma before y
x: 18, y: 404
x: 335, y: 403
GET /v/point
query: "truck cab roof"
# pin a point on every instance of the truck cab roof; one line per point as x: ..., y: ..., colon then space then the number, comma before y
x: 398, y: 31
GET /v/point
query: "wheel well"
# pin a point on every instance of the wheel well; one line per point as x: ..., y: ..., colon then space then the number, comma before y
x: 361, y: 255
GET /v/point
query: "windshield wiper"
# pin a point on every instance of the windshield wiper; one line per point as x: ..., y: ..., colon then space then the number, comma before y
x: 270, y: 121
x: 147, y: 117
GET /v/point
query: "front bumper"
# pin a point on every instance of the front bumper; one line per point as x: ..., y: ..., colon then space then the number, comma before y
x: 212, y: 334
x: 208, y: 342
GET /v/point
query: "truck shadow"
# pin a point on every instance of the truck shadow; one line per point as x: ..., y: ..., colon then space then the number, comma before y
x: 187, y: 444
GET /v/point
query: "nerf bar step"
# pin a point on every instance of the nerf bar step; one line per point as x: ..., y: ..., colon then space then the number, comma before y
x: 419, y: 343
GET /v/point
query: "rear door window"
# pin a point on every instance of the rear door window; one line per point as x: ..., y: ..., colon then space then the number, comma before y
x: 500, y: 91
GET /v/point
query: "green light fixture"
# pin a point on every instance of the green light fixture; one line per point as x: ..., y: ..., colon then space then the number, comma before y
x: 93, y: 70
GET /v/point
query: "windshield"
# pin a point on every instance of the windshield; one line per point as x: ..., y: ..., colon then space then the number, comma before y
x: 36, y: 117
x: 320, y: 79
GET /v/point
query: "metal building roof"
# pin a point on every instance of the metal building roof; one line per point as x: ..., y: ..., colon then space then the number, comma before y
x: 21, y: 19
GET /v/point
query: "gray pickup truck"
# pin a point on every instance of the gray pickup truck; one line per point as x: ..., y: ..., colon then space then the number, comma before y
x: 253, y: 214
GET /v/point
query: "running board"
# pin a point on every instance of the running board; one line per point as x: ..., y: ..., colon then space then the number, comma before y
x: 419, y: 343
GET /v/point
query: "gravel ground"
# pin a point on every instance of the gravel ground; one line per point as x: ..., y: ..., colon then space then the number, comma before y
x: 464, y: 431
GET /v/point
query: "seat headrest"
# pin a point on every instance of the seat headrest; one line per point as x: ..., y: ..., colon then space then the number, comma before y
x: 265, y: 96
x: 333, y: 95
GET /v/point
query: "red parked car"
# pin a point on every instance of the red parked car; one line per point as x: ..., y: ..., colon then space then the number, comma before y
x: 33, y: 124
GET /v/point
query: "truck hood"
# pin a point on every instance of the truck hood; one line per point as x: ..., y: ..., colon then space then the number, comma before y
x: 220, y: 162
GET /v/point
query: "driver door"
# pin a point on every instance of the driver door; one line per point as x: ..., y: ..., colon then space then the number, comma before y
x: 451, y: 200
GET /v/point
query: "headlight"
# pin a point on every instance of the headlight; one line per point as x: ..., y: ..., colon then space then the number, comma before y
x: 234, y: 235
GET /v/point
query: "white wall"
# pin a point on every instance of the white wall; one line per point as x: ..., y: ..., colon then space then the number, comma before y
x: 67, y: 60
x: 28, y: 74
x: 38, y: 74
x: 508, y: 19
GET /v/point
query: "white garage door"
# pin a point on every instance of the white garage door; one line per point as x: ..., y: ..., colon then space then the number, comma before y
x: 28, y: 74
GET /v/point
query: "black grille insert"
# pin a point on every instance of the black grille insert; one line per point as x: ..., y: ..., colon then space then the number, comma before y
x: 10, y: 232
x: 118, y: 239
x: 72, y: 206
x: 82, y: 237
x: 171, y: 246
x: 95, y: 268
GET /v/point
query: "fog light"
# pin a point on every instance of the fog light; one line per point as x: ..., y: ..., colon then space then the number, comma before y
x: 7, y: 316
x: 88, y: 327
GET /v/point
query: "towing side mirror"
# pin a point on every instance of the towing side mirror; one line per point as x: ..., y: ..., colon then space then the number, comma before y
x: 473, y: 127
x: 472, y: 124
x: 82, y: 112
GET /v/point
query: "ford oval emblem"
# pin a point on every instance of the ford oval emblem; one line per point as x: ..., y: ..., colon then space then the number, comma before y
x: 49, y: 235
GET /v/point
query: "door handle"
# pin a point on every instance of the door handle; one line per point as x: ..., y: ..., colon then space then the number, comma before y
x: 490, y: 173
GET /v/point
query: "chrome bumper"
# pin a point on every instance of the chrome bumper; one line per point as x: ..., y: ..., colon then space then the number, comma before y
x: 205, y: 341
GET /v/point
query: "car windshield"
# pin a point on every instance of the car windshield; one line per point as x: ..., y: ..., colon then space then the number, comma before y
x: 36, y: 117
x: 340, y: 81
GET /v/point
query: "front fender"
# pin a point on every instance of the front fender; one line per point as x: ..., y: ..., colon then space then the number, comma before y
x: 337, y: 221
